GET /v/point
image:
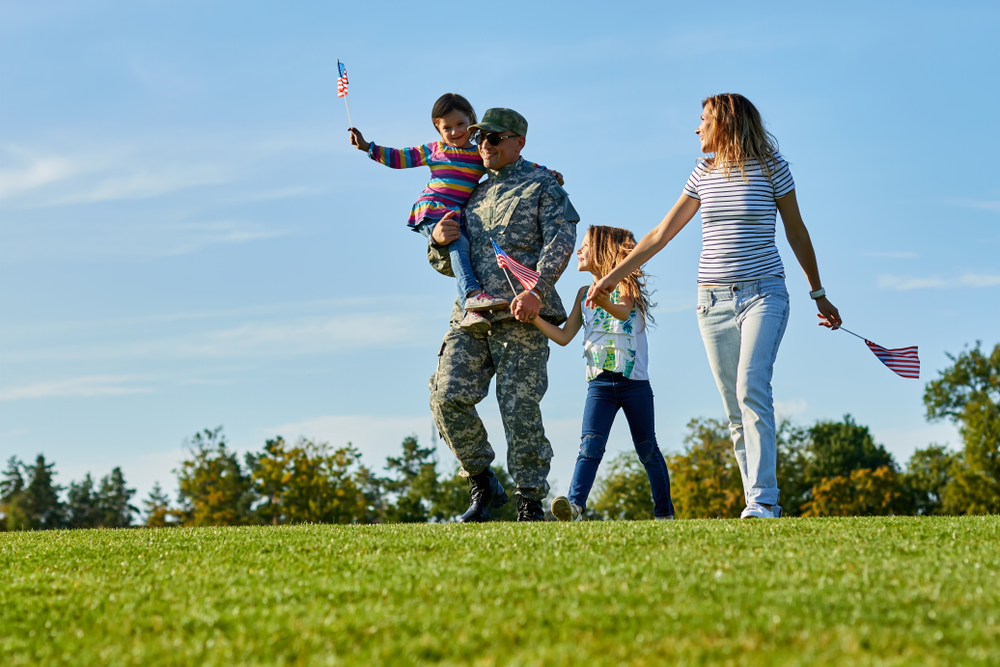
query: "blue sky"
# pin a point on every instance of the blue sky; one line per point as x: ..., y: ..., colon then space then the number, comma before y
x: 188, y: 240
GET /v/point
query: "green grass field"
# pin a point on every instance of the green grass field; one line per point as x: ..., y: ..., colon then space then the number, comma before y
x: 880, y: 591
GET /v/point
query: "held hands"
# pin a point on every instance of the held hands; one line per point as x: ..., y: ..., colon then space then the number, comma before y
x: 446, y: 230
x: 357, y: 140
x: 828, y: 313
x: 525, y: 307
x: 601, y: 289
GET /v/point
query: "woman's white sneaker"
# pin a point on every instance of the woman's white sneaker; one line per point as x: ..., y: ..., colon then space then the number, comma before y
x: 758, y: 511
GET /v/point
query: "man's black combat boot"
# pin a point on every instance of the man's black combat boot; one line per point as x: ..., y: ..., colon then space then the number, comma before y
x: 486, y: 494
x: 529, y: 510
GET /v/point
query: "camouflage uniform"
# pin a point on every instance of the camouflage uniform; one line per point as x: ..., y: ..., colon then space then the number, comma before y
x: 530, y: 216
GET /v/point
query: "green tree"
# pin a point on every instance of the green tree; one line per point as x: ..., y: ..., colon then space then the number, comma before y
x: 968, y: 393
x: 113, y: 501
x: 414, y: 485
x: 623, y: 492
x: 793, y: 485
x: 323, y: 488
x: 159, y: 513
x: 837, y: 448
x: 214, y: 488
x: 40, y: 501
x: 12, y: 516
x: 705, y: 480
x: 272, y: 474
x: 81, y: 504
x: 863, y: 492
x: 928, y: 473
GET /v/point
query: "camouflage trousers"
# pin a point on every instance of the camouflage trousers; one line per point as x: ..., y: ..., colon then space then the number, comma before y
x: 517, y: 354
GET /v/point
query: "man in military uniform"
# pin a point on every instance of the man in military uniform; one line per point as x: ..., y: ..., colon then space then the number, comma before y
x: 531, y: 218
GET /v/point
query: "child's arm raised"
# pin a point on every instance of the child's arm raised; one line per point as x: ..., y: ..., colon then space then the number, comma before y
x: 395, y: 158
x: 568, y: 330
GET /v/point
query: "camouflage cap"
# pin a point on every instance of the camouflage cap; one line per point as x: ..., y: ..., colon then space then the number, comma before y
x: 500, y: 120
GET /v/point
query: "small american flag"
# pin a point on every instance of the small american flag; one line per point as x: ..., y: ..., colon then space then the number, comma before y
x: 902, y: 361
x: 342, y: 80
x: 526, y: 276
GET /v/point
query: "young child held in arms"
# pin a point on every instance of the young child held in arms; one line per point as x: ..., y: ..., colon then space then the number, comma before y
x: 614, y: 346
x: 456, y: 168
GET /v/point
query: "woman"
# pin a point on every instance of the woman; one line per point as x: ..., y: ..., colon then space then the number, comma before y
x: 742, y: 300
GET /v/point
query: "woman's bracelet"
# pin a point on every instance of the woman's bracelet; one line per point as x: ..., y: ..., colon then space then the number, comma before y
x: 818, y: 294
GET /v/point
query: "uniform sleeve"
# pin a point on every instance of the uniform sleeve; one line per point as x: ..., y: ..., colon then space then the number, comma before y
x: 557, y: 218
x: 691, y: 187
x: 536, y: 165
x: 401, y: 158
x: 781, y: 179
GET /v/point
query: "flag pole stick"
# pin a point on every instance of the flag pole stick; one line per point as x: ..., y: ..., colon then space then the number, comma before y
x: 348, y: 112
x: 512, y: 288
x: 853, y: 334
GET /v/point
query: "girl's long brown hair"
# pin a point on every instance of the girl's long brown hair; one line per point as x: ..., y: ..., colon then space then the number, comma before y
x: 452, y: 102
x: 609, y: 246
x: 739, y: 135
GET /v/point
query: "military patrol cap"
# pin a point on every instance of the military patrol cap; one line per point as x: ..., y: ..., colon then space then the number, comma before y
x: 501, y: 120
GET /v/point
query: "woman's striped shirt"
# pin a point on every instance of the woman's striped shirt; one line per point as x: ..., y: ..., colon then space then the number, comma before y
x: 454, y: 174
x: 738, y: 220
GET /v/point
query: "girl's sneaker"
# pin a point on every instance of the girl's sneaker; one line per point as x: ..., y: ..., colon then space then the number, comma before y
x: 474, y: 322
x: 563, y: 509
x: 484, y: 301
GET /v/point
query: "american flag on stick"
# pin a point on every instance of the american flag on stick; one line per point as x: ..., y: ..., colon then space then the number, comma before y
x: 902, y: 361
x: 341, y: 80
x: 527, y: 277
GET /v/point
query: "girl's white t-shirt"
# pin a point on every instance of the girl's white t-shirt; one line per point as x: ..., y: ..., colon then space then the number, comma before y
x: 614, y: 345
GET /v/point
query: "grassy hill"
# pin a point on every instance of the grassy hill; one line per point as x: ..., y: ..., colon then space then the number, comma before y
x: 791, y: 592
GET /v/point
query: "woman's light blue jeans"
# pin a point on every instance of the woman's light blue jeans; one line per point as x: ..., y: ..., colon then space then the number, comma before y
x: 742, y: 325
x: 460, y: 252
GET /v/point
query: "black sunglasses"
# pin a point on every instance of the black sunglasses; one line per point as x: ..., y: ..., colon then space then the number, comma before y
x: 493, y: 137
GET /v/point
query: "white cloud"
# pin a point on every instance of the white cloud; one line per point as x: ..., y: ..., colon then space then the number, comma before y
x: 982, y: 204
x: 968, y: 279
x: 34, y: 171
x: 94, y: 385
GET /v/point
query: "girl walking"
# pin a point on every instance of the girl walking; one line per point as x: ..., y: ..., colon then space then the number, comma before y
x: 456, y: 168
x: 743, y: 305
x: 617, y: 357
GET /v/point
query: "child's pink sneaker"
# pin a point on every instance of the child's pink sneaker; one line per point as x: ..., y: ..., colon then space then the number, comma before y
x: 474, y: 322
x: 484, y: 301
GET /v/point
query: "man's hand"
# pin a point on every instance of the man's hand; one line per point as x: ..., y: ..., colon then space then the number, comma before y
x: 357, y: 140
x: 446, y: 230
x: 525, y: 307
x: 828, y: 313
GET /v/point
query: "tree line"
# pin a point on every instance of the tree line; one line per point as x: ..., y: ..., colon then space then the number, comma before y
x: 832, y: 468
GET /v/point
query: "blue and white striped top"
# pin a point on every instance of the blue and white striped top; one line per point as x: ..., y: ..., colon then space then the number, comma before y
x: 738, y: 220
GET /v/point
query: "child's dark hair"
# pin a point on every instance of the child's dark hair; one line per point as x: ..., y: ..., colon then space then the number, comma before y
x: 452, y: 102
x: 609, y: 246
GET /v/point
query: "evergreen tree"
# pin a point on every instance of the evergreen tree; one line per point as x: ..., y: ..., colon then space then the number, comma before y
x: 40, y: 501
x: 113, y: 506
x: 272, y: 474
x: 12, y: 485
x: 159, y: 514
x: 81, y: 505
x: 415, y: 483
x: 214, y: 488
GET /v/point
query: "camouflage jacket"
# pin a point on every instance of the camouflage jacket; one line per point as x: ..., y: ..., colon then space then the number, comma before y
x: 530, y: 216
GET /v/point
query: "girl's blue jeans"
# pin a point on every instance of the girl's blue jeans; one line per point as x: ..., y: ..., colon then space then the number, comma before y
x: 606, y: 394
x: 742, y: 325
x: 460, y: 252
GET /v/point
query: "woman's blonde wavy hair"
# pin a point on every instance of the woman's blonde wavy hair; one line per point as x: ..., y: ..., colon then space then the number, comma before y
x: 739, y: 136
x: 609, y: 246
